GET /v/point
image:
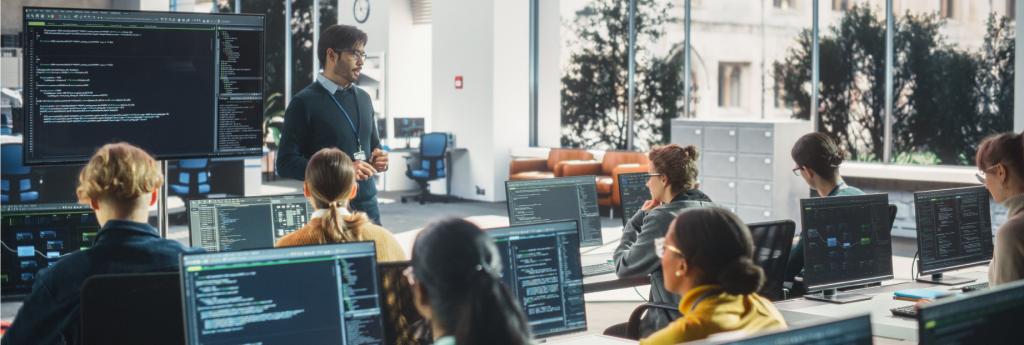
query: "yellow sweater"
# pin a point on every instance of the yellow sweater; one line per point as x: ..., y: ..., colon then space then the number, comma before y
x: 717, y: 312
x: 310, y: 234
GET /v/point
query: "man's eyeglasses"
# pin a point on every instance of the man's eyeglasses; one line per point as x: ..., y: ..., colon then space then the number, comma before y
x: 660, y: 246
x: 359, y: 54
x: 796, y: 171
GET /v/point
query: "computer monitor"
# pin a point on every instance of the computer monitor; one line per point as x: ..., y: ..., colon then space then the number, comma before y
x: 984, y: 317
x: 292, y: 295
x: 36, y: 236
x: 954, y: 230
x: 179, y: 85
x: 409, y: 127
x: 557, y: 199
x: 633, y: 193
x: 846, y: 242
x: 245, y: 223
x: 541, y: 265
x: 848, y: 331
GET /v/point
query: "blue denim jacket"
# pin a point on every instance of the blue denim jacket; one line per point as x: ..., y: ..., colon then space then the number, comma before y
x: 50, y: 315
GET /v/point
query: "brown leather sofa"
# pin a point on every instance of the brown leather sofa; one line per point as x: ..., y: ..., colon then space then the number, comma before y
x: 607, y: 172
x: 535, y: 169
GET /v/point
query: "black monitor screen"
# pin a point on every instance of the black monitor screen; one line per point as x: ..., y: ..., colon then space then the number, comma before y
x: 408, y: 127
x: 541, y: 265
x: 245, y: 223
x: 36, y: 236
x: 852, y: 331
x: 556, y: 199
x: 294, y: 295
x: 987, y: 317
x: 954, y: 228
x: 633, y: 193
x: 178, y: 85
x: 846, y: 240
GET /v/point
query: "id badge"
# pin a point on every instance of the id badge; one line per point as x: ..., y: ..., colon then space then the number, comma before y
x: 359, y: 155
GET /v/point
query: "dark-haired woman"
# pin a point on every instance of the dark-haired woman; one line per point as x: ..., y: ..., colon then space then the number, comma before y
x: 707, y: 257
x: 817, y: 157
x: 456, y: 279
x: 330, y: 184
x: 1000, y: 161
x: 673, y: 187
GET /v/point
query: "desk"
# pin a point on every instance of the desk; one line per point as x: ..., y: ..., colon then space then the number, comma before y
x: 414, y: 155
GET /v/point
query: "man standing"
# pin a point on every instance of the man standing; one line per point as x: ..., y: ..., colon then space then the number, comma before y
x: 332, y: 112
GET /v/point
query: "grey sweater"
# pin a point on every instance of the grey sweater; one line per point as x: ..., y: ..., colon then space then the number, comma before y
x: 1008, y: 254
x: 635, y: 255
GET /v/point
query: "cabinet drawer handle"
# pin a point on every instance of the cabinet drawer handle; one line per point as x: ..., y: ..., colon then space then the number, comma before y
x: 732, y: 133
x: 696, y: 131
x: 767, y: 214
x: 767, y: 134
x: 767, y: 161
x: 767, y: 187
x: 732, y: 159
x: 732, y: 184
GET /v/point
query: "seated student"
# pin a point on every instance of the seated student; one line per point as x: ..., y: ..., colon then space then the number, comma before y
x: 817, y: 158
x: 673, y: 187
x: 707, y: 257
x: 1000, y: 161
x: 120, y: 183
x: 330, y: 183
x: 455, y: 276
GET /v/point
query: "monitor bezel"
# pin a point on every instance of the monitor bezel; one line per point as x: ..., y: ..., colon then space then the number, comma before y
x: 622, y: 206
x: 848, y: 282
x: 592, y: 180
x: 583, y: 293
x: 755, y: 338
x: 917, y: 215
x: 164, y: 157
x: 188, y: 208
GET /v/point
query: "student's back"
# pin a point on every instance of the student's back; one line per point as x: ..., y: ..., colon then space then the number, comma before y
x: 312, y: 233
x: 124, y: 244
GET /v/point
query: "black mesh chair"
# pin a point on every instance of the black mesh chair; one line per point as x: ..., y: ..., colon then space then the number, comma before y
x: 772, y: 244
x: 140, y: 308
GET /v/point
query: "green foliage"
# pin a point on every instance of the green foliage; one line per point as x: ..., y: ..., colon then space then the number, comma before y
x: 595, y: 86
x: 945, y: 99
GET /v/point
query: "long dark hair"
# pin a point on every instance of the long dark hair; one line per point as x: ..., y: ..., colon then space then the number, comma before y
x: 716, y: 241
x: 459, y: 267
x: 820, y: 153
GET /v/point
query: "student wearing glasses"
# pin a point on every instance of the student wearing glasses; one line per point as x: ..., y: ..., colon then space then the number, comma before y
x: 1000, y: 162
x: 673, y: 187
x: 707, y: 257
x: 455, y: 274
x: 333, y: 112
x: 817, y: 157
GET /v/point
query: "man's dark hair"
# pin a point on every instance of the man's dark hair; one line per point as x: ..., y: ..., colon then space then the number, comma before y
x: 338, y: 37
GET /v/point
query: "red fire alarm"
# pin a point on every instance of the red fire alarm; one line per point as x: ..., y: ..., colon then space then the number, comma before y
x: 458, y: 82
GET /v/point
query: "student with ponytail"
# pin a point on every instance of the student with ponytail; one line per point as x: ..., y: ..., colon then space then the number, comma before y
x: 329, y: 185
x: 455, y: 276
x: 1000, y: 161
x: 707, y: 257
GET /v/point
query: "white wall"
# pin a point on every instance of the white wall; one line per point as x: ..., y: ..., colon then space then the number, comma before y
x: 376, y: 25
x: 511, y: 109
x: 1018, y: 82
x: 409, y: 63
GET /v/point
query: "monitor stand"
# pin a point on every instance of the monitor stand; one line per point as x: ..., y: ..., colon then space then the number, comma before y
x: 833, y: 296
x: 940, y: 279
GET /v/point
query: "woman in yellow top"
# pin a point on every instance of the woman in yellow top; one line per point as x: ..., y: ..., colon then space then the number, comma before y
x: 330, y: 183
x: 706, y: 257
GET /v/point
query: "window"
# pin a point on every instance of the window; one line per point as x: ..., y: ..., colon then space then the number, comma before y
x: 784, y: 4
x: 841, y: 5
x: 947, y: 8
x: 730, y: 85
x: 1011, y: 9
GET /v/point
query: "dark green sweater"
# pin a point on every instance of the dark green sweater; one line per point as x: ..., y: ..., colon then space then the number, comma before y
x: 313, y: 122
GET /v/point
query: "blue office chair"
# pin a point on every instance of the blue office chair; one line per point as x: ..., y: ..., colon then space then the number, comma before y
x: 15, y: 177
x: 193, y: 178
x: 430, y: 166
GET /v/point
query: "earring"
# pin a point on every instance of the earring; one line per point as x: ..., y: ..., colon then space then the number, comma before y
x: 678, y: 274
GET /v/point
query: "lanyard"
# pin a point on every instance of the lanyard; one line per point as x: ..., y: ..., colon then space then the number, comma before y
x: 350, y: 123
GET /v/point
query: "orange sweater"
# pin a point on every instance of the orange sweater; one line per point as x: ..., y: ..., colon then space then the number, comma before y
x: 310, y: 234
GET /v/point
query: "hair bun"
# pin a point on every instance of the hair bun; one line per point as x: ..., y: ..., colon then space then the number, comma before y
x: 741, y: 277
x: 690, y: 152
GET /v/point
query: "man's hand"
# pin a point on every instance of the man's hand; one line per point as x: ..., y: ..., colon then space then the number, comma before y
x: 650, y: 204
x: 380, y: 159
x: 364, y: 170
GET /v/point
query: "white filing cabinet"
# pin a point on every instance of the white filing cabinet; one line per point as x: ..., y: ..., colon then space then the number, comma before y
x: 745, y: 165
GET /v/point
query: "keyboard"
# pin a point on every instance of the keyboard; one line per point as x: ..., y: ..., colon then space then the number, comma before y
x: 907, y: 311
x: 974, y: 287
x: 599, y: 269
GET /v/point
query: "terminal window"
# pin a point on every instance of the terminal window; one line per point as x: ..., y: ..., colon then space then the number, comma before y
x: 36, y: 236
x: 177, y: 85
x: 300, y: 295
x: 541, y: 264
x: 846, y: 239
x: 558, y: 199
x: 633, y: 193
x: 245, y: 223
x: 987, y: 318
x: 954, y: 228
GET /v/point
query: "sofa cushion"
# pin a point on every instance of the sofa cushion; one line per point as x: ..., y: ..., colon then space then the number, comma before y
x: 604, y: 185
x: 532, y: 175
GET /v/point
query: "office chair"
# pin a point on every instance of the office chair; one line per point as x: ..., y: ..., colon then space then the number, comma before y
x: 402, y: 322
x: 15, y: 177
x: 139, y: 308
x: 430, y: 166
x: 772, y: 244
x: 193, y: 178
